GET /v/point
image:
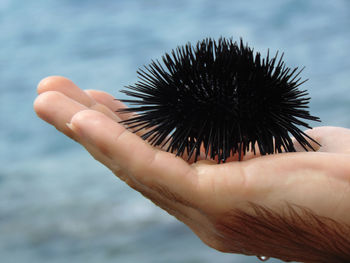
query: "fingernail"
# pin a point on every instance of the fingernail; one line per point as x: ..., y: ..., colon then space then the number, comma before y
x: 70, y: 126
x: 71, y: 132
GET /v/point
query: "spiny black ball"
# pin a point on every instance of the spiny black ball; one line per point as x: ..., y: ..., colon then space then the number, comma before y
x: 221, y: 97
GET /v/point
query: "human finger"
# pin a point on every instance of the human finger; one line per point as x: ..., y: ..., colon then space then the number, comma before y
x: 69, y: 89
x: 115, y: 105
x: 65, y: 86
x: 57, y: 109
x: 109, y: 101
x: 136, y: 157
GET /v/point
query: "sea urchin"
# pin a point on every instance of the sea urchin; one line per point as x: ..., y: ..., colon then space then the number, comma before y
x: 221, y: 98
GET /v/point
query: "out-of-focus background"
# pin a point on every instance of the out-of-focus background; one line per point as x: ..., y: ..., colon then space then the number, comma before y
x: 56, y: 203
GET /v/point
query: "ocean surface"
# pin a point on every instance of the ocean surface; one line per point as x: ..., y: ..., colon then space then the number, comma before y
x: 57, y: 204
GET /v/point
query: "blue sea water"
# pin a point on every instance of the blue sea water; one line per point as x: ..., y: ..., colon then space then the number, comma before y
x: 56, y: 203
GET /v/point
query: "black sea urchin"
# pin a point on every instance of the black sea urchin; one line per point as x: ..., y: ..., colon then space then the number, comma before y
x: 219, y: 97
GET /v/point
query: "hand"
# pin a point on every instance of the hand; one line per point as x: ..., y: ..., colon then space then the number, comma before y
x: 253, y: 207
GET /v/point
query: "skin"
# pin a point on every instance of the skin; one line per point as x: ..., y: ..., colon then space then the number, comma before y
x: 200, y: 194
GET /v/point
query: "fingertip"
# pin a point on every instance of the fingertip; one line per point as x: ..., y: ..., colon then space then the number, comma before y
x: 87, y: 122
x: 42, y: 102
x: 47, y: 83
x: 67, y: 87
x: 96, y: 129
x: 85, y: 116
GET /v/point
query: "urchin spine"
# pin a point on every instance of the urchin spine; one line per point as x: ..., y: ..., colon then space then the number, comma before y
x: 221, y: 98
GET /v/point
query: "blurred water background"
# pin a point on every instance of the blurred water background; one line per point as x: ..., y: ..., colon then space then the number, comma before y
x: 56, y: 203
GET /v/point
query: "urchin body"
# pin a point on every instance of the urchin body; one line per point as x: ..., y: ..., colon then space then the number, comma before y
x: 221, y: 98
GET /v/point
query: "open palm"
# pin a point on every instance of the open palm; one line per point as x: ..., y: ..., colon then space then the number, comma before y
x: 205, y: 195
